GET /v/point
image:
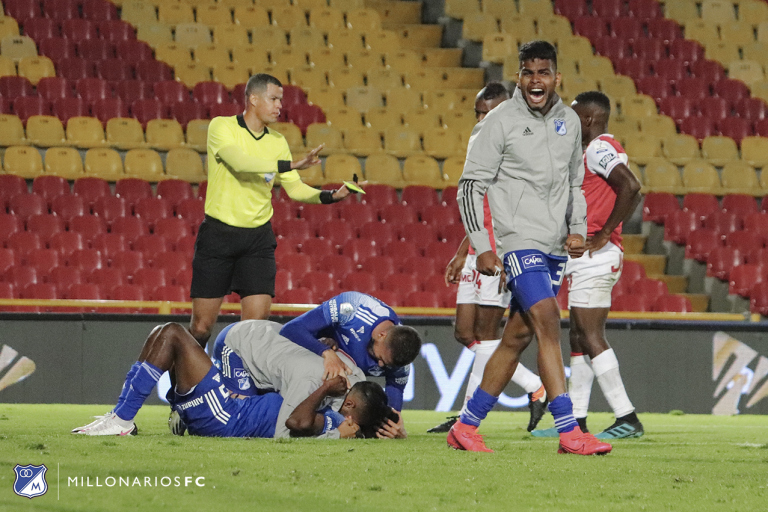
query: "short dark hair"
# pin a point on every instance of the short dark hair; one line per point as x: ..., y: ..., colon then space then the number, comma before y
x: 596, y: 98
x: 537, y: 50
x: 258, y: 83
x: 405, y: 343
x: 493, y: 90
x: 374, y: 410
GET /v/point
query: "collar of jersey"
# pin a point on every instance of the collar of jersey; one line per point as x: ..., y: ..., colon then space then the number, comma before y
x: 241, y: 122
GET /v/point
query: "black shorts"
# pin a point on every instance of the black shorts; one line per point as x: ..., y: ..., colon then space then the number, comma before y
x: 231, y: 259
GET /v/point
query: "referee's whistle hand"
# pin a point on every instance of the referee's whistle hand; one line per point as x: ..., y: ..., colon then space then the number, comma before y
x: 309, y: 160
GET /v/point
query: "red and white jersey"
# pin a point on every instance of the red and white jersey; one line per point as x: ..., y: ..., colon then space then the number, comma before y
x: 488, y: 223
x: 603, y: 154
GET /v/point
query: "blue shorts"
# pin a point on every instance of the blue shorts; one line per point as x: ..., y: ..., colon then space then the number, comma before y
x: 209, y: 410
x: 234, y: 374
x: 532, y: 276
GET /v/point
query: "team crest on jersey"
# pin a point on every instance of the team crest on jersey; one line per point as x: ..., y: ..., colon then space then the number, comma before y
x: 346, y: 308
x: 30, y: 480
x: 560, y: 127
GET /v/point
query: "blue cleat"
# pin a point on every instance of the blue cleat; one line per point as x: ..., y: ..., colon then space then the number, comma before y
x: 622, y: 430
x: 547, y: 432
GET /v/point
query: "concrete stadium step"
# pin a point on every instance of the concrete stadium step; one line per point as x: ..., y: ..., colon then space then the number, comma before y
x: 675, y: 284
x: 633, y: 244
x: 652, y: 263
x: 699, y: 301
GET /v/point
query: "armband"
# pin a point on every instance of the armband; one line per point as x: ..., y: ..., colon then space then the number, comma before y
x: 283, y: 166
x: 326, y: 197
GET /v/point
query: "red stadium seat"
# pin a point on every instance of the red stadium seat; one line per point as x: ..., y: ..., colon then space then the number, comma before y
x: 440, y: 216
x: 128, y: 292
x: 184, y: 277
x: 403, y: 284
x: 87, y: 225
x: 723, y: 223
x: 759, y: 299
x: 609, y: 8
x: 26, y: 205
x: 698, y: 89
x: 116, y: 31
x: 23, y: 10
x: 710, y: 70
x: 361, y: 281
x: 379, y: 195
x: 731, y: 89
x: 632, y: 272
x: 109, y: 108
x: 668, y: 31
x: 63, y: 277
x: 378, y: 232
x: 133, y: 189
x: 336, y: 265
x: 152, y: 209
x: 75, y: 68
x: 398, y: 214
x: 401, y: 249
x: 43, y: 260
x: 20, y: 276
x: 108, y: 278
x: 612, y: 48
x: 87, y: 260
x: 109, y: 244
x: 690, y: 52
x: 51, y: 88
x: 441, y: 252
x: 149, y: 278
x: 95, y: 50
x: 295, y: 296
x: 317, y: 248
x: 172, y: 229
x: 423, y: 300
x: 419, y: 196
x: 50, y: 187
x: 209, y: 93
x: 419, y: 266
x: 12, y: 87
x: 744, y: 277
x: 700, y: 243
x: 322, y: 284
x: 571, y: 8
x: 627, y: 28
x: 46, y: 291
x: 700, y: 127
x: 99, y: 10
x: 153, y: 71
x: 79, y: 29
x: 225, y: 109
x: 303, y: 115
x: 652, y: 287
x: 672, y: 304
x: 713, y: 107
x: 66, y: 108
x: 83, y: 291
x: 590, y: 27
x: 192, y: 211
x: 186, y: 245
x: 358, y: 213
x: 294, y: 227
x: 133, y: 51
x: 61, y: 9
x: 57, y: 48
x: 130, y: 227
x: 298, y: 264
x: 338, y: 233
x: 132, y: 90
x: 380, y: 266
x: 9, y: 224
x: 757, y: 223
x: 650, y: 49
x: 745, y: 241
x: 633, y: 67
x: 45, y: 226
x: 146, y: 110
x: 174, y: 191
x: 7, y: 260
x: 721, y: 260
x: 128, y: 262
x: 170, y: 91
x: 317, y: 214
x: 66, y: 243
x: 360, y: 250
x: 736, y: 128
x: 172, y: 263
x: 110, y: 208
x: 7, y: 291
x: 419, y: 234
x: 90, y: 189
x: 701, y: 204
x: 633, y: 302
x: 678, y: 108
x: 186, y: 111
x: 26, y: 106
x: 11, y: 185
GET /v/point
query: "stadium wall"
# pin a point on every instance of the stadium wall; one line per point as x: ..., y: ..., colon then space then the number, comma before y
x: 695, y: 367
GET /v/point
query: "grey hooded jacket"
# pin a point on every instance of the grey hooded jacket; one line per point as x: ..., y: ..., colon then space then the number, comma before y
x: 531, y: 166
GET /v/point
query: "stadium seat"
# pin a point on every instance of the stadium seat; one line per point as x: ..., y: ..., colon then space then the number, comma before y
x: 85, y: 132
x: 133, y: 189
x: 700, y: 242
x: 164, y: 134
x: 45, y: 131
x: 23, y: 161
x: 110, y: 208
x: 109, y: 244
x: 152, y: 209
x: 124, y: 133
x: 747, y: 243
x: 87, y: 225
x: 45, y: 226
x: 66, y: 243
x: 185, y: 164
x: 65, y: 207
x: 87, y: 260
x: 678, y: 225
x: 672, y: 304
x: 62, y: 276
x: 722, y: 260
x: 104, y: 164
x: 759, y: 299
x: 64, y: 162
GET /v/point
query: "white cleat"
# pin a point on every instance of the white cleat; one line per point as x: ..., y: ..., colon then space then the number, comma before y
x: 92, y: 424
x: 112, y: 425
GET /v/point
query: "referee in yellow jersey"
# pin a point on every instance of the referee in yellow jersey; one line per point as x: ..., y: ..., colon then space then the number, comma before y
x: 235, y: 247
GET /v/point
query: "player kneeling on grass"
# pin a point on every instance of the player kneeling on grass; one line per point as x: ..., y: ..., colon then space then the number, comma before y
x: 210, y: 409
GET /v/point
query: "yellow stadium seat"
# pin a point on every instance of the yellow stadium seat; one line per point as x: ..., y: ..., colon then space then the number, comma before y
x: 519, y: 27
x: 17, y: 47
x: 660, y: 125
x: 164, y: 134
x: 719, y: 150
x: 364, y: 98
x: 292, y: 135
x: 365, y: 60
x: 23, y: 161
x: 748, y: 71
x: 392, y: 13
x: 342, y: 118
x: 623, y: 127
x: 643, y: 147
x: 363, y: 20
x: 383, y: 169
x: 639, y: 105
x: 453, y: 167
x: 756, y: 51
x: 498, y: 8
x: 701, y: 176
x: 7, y: 67
x: 340, y: 168
x: 11, y: 131
x: 308, y: 77
x: 64, y: 162
x: 271, y: 5
x: 596, y: 67
x: 573, y: 85
x: 326, y: 97
x: 231, y: 74
x: 681, y: 12
x: 725, y: 52
x: 173, y: 54
x: 8, y: 27
x: 230, y: 36
x: 175, y: 13
x: 184, y: 164
x: 702, y: 31
x: 759, y: 90
x: 477, y: 26
x: 312, y: 176
x: 753, y: 13
x: 422, y: 120
x: 330, y: 136
x: 554, y: 29
x: 363, y: 141
x: 740, y: 33
x: 288, y: 17
x: 209, y: 55
x: 617, y: 86
x: 190, y: 73
x: 306, y: 38
x: 250, y: 16
x: 441, y: 57
x: 213, y: 14
x: 754, y: 151
x: 441, y: 100
x: 253, y: 56
x: 35, y: 68
x: 138, y: 12
x: 125, y: 133
x: 717, y: 11
x: 383, y: 40
x: 347, y: 5
x: 460, y: 9
x: 327, y: 19
x: 764, y: 181
x: 192, y: 34
x: 145, y: 164
x: 327, y: 59
x: 345, y: 40
x: 290, y: 58
x: 197, y: 134
x: 497, y: 46
x: 681, y: 148
x: 104, y: 163
x: 402, y: 141
x: 279, y: 71
x: 345, y: 78
x: 382, y: 118
x: 460, y: 121
x: 85, y: 132
x: 423, y: 170
x: 662, y: 176
x: 308, y: 5
x: 442, y: 143
x: 739, y: 177
x: 538, y: 9
x: 403, y: 61
x: 423, y: 79
x: 154, y: 34
x: 45, y: 131
x: 575, y: 47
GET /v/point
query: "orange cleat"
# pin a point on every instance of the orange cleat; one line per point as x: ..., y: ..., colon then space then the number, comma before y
x: 465, y: 437
x: 580, y: 443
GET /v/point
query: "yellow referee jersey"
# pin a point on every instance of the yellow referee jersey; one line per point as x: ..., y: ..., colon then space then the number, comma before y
x: 242, y: 168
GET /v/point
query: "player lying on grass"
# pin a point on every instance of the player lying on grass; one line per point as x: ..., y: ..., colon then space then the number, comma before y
x: 210, y: 409
x: 369, y: 332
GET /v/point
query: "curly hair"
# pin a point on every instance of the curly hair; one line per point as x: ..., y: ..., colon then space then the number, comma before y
x: 375, y: 408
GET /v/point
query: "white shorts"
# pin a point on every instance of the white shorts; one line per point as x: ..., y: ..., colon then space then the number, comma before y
x: 590, y: 280
x: 475, y: 288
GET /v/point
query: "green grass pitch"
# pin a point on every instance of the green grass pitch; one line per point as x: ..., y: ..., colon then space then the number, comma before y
x: 684, y: 462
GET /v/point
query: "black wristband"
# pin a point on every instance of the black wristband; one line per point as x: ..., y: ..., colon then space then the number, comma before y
x: 326, y: 197
x: 283, y: 166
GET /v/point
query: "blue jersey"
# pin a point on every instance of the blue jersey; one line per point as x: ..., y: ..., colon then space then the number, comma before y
x: 349, y: 318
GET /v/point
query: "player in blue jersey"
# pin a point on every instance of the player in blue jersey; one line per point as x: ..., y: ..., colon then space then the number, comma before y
x: 209, y: 408
x: 369, y: 332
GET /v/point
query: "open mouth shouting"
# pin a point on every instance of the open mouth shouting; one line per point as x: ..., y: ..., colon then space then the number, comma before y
x: 537, y: 96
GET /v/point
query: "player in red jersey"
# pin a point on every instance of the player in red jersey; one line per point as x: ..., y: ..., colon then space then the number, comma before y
x: 612, y: 193
x: 480, y: 306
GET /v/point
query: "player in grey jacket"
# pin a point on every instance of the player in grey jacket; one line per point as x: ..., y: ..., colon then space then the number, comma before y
x: 527, y: 156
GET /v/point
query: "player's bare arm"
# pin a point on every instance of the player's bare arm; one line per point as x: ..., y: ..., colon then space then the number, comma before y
x: 393, y: 430
x: 304, y: 421
x: 627, y: 188
x: 453, y: 270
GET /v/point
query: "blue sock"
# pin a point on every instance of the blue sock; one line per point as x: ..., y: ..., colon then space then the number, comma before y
x: 478, y: 407
x: 127, y: 383
x: 562, y: 410
x: 139, y: 389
